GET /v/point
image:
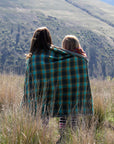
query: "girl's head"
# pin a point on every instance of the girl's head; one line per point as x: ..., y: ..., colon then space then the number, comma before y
x: 70, y: 42
x: 41, y: 40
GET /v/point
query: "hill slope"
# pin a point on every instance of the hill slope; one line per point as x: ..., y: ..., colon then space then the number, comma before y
x: 91, y: 23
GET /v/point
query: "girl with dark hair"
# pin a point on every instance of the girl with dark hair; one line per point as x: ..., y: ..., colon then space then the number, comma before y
x: 41, y: 40
x: 40, y: 43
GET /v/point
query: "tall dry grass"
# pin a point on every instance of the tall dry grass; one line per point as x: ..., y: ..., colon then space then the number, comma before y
x: 11, y: 90
x: 16, y: 125
x: 19, y: 127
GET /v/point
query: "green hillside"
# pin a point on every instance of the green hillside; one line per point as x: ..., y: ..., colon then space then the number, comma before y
x: 91, y: 21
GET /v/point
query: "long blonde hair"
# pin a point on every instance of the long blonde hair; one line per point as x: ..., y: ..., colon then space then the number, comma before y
x: 70, y: 42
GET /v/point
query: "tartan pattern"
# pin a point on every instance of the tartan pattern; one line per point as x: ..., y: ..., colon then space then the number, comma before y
x: 59, y: 81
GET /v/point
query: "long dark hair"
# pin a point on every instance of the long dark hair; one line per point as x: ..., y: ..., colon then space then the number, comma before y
x: 41, y: 40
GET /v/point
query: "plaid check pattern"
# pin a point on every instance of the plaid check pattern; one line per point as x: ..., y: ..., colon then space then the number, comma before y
x: 58, y: 81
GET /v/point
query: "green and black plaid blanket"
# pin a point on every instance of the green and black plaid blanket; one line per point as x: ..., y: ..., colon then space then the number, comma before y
x: 58, y: 81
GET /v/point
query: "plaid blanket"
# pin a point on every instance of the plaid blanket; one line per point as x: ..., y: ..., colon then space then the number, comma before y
x: 58, y: 81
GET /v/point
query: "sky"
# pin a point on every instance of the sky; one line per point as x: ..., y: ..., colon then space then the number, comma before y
x: 111, y: 2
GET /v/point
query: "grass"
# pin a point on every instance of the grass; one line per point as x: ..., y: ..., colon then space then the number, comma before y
x: 19, y: 127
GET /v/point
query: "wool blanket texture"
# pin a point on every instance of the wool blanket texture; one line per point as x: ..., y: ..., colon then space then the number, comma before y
x: 57, y: 82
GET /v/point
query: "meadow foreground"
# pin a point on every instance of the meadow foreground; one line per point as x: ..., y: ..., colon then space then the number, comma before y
x: 19, y: 127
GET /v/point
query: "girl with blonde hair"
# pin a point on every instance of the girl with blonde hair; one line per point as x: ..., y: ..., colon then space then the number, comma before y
x: 71, y: 42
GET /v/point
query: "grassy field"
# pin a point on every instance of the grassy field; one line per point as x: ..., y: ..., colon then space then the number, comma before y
x: 18, y: 127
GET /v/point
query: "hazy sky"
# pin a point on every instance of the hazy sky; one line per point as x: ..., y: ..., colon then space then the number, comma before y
x: 109, y: 1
